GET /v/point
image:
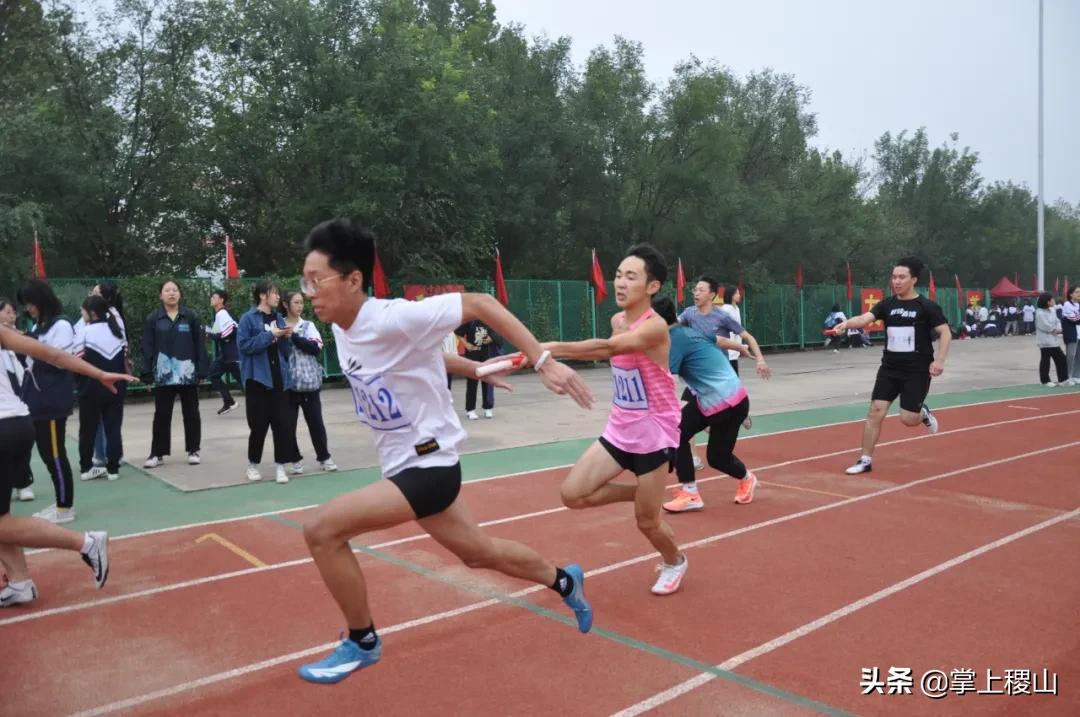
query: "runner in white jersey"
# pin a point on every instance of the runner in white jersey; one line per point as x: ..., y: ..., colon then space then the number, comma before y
x: 391, y: 353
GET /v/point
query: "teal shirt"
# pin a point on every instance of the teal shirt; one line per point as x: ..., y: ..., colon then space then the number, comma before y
x: 705, y: 367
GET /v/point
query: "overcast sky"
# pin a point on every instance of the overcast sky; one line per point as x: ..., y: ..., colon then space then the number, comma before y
x: 966, y: 66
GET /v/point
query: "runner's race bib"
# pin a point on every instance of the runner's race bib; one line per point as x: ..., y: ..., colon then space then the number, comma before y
x: 901, y: 339
x: 629, y: 389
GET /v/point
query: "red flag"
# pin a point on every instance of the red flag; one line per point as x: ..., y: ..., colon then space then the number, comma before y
x: 799, y: 278
x: 500, y: 281
x: 680, y: 284
x: 850, y: 288
x: 959, y: 293
x: 598, y: 279
x: 933, y: 288
x: 231, y: 270
x: 378, y: 279
x: 741, y: 290
x: 1065, y: 291
x: 39, y: 261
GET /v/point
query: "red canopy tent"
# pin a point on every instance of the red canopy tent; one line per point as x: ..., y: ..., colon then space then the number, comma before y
x: 1005, y: 289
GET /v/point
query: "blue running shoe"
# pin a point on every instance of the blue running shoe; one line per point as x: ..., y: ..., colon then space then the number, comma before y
x: 345, y: 660
x: 576, y: 600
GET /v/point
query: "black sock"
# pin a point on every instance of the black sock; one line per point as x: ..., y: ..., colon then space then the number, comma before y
x: 364, y: 637
x: 564, y: 584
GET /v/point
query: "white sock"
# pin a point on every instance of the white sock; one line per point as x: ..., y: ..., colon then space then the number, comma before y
x: 690, y: 487
x: 88, y: 543
x: 866, y: 459
x: 21, y: 585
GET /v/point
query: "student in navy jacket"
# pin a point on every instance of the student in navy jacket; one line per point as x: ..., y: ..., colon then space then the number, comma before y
x: 265, y: 347
x: 101, y: 343
x: 174, y: 359
x: 49, y: 393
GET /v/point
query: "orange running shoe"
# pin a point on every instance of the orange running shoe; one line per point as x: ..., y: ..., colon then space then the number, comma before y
x: 747, y: 485
x: 684, y: 501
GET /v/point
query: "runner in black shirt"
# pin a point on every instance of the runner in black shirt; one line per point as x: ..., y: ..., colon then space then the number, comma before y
x: 911, y: 321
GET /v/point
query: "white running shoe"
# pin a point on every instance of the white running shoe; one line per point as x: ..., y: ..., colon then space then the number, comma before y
x: 671, y: 577
x: 329, y: 465
x: 296, y: 468
x: 252, y: 473
x: 488, y: 413
x: 11, y: 596
x: 279, y: 474
x: 95, y: 472
x: 861, y: 466
x: 153, y: 461
x: 1050, y: 384
x: 928, y: 419
x: 98, y: 556
x: 55, y: 515
x: 24, y: 494
x: 112, y: 476
x: 193, y: 458
x: 471, y: 415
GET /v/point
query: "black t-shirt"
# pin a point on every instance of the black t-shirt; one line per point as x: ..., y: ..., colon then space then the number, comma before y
x: 909, y: 330
x: 272, y: 354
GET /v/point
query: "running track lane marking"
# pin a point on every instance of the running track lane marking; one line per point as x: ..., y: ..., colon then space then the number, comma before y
x: 633, y: 561
x: 285, y: 511
x: 776, y: 643
x: 1024, y: 408
x: 232, y: 548
x: 437, y: 617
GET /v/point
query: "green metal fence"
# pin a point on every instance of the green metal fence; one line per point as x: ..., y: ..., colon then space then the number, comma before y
x: 779, y: 316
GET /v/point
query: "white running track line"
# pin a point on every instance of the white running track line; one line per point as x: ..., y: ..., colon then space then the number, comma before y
x: 1024, y: 408
x: 273, y: 662
x: 778, y: 642
x: 514, y: 518
x: 220, y: 521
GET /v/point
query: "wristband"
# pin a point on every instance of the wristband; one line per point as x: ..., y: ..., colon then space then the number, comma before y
x: 540, y: 361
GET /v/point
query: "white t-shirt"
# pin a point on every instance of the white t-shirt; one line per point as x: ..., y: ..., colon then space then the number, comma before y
x: 392, y: 356
x: 307, y: 330
x: 733, y: 311
x: 10, y: 403
x: 1029, y: 313
x: 223, y: 324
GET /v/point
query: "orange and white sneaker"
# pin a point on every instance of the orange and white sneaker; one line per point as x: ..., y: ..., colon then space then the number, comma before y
x: 671, y: 577
x: 684, y: 501
x: 745, y: 494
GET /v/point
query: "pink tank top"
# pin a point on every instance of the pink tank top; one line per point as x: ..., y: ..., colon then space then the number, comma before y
x: 645, y: 411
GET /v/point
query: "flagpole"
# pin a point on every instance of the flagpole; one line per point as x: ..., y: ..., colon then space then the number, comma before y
x: 802, y: 322
x: 1041, y: 229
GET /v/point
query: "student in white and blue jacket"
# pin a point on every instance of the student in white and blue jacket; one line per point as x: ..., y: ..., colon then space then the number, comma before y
x: 101, y: 343
x: 265, y: 347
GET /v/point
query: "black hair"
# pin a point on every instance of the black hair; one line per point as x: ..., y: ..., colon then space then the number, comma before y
x: 40, y: 294
x: 349, y: 245
x: 95, y: 305
x: 714, y: 286
x: 915, y: 266
x: 665, y: 309
x: 222, y: 293
x: 260, y: 289
x: 286, y: 299
x: 835, y: 308
x: 6, y: 302
x: 111, y: 293
x: 172, y: 281
x: 729, y: 293
x: 655, y: 267
x: 1043, y: 302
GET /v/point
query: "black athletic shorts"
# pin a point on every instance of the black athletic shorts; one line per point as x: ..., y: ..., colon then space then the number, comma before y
x: 640, y: 463
x: 16, y: 445
x: 428, y: 490
x: 911, y: 386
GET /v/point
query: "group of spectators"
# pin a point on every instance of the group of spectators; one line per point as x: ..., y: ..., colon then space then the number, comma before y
x: 273, y: 353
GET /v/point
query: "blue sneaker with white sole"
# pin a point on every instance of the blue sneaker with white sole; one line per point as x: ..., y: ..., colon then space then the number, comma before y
x: 346, y: 659
x: 576, y: 599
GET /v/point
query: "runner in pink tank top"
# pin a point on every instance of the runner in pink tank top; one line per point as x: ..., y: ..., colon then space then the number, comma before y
x: 644, y: 409
x: 643, y: 429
